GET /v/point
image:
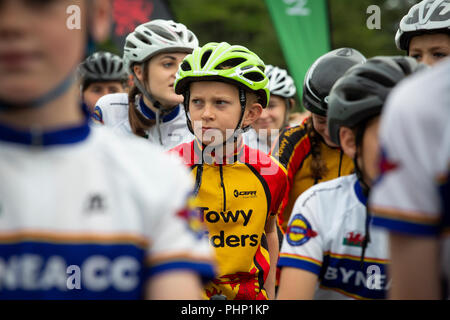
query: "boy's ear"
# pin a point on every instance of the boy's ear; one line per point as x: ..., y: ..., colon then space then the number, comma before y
x: 100, y: 19
x: 252, y: 113
x: 348, y: 141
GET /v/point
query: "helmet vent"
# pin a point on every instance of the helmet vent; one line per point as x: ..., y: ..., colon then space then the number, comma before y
x: 353, y: 95
x: 378, y: 78
x: 185, y: 66
x: 230, y: 63
x: 164, y: 34
x: 143, y: 39
x: 254, y: 76
x: 130, y: 45
x: 205, y: 58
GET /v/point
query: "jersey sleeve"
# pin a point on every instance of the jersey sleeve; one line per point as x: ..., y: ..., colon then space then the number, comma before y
x: 111, y: 109
x: 303, y: 242
x: 406, y: 196
x: 177, y: 234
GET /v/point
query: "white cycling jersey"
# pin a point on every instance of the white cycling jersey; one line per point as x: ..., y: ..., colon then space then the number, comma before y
x: 112, y: 111
x: 325, y: 236
x: 413, y: 194
x: 88, y: 214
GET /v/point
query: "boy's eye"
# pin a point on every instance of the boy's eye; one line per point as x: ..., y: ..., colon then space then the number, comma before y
x: 39, y: 4
x: 416, y: 56
x: 439, y: 55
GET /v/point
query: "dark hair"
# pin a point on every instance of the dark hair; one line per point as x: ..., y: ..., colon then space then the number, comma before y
x: 139, y: 124
x: 319, y: 167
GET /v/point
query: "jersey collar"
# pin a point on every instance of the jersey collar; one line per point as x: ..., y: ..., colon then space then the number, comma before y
x: 36, y: 137
x: 359, y: 193
x: 149, y: 114
x: 45, y: 138
x: 208, y: 156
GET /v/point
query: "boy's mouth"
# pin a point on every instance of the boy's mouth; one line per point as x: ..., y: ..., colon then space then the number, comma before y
x: 16, y: 59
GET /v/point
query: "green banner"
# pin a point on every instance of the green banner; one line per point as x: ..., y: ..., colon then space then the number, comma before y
x: 303, y: 31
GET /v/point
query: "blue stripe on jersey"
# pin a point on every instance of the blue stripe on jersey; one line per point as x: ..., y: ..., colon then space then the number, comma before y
x: 359, y: 193
x: 32, y: 270
x: 347, y: 275
x: 299, y: 264
x: 405, y: 226
x: 206, y: 270
x: 58, y: 137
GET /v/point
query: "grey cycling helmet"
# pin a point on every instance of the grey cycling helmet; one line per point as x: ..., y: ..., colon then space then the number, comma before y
x: 323, y: 74
x: 280, y: 83
x: 428, y: 16
x: 101, y: 66
x: 360, y: 94
x: 157, y: 36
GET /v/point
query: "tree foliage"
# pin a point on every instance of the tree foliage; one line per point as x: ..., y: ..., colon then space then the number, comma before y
x: 247, y: 22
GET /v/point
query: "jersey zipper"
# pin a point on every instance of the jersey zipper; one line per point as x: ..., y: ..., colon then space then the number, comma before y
x: 223, y: 188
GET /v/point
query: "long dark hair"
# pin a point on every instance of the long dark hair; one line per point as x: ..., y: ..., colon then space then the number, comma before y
x: 319, y: 167
x: 139, y: 124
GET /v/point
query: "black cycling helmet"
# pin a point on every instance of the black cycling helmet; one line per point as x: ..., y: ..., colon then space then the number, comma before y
x: 360, y: 94
x: 323, y: 74
x: 427, y: 16
x: 101, y: 66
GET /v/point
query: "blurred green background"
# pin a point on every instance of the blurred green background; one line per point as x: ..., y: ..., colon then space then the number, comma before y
x: 247, y: 22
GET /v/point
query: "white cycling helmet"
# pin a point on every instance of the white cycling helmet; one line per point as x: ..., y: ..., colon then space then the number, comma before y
x: 280, y: 83
x: 157, y: 36
x: 425, y: 16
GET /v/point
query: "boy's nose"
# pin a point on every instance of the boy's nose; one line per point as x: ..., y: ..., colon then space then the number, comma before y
x: 208, y: 113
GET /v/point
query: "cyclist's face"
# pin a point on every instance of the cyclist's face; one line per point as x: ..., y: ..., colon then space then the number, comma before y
x: 97, y: 90
x: 273, y: 116
x: 37, y: 49
x: 215, y: 111
x: 320, y: 125
x: 430, y: 48
x: 370, y: 151
x: 161, y: 72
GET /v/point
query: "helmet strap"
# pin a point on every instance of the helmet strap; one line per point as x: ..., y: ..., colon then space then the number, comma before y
x: 359, y: 145
x: 42, y: 100
x: 147, y: 94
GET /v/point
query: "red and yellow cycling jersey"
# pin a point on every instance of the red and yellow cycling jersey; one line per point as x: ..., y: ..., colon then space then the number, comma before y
x: 235, y: 200
x: 294, y: 153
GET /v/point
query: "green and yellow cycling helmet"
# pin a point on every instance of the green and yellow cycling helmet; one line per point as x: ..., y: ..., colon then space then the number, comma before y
x: 224, y: 62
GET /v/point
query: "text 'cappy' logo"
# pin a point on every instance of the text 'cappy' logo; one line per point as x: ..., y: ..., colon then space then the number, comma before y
x: 244, y: 194
x: 299, y: 231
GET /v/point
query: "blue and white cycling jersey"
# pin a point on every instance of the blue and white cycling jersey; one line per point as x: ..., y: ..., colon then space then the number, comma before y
x: 325, y: 236
x: 112, y: 111
x: 412, y: 195
x: 88, y: 214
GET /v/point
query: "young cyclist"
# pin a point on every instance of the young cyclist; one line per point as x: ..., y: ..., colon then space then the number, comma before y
x: 411, y: 199
x: 275, y: 117
x: 100, y: 74
x: 84, y: 214
x: 238, y: 188
x: 152, y: 110
x: 306, y: 151
x: 424, y: 33
x: 330, y: 250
